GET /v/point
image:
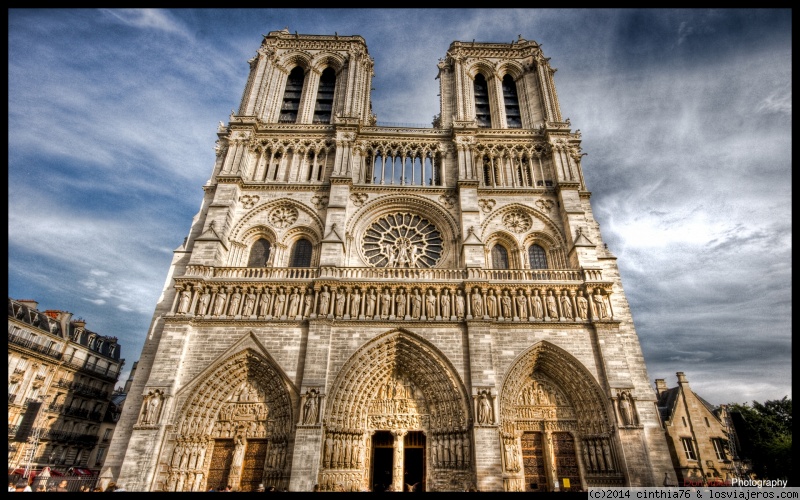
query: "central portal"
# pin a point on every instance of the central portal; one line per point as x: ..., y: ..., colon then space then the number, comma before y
x: 385, y: 472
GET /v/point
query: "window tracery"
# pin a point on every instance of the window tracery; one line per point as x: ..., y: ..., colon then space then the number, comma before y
x: 402, y: 240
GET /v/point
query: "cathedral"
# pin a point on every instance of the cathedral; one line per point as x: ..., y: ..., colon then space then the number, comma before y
x: 360, y: 307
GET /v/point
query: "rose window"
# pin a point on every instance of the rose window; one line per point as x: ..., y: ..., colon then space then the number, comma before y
x: 282, y: 217
x: 519, y: 222
x: 402, y: 240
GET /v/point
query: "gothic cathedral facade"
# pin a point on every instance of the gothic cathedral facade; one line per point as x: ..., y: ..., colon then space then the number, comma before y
x: 362, y: 307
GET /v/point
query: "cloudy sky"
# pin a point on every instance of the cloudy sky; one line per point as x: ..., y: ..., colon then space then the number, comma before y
x: 685, y: 114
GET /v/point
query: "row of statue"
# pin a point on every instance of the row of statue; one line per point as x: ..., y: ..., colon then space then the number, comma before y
x: 344, y: 451
x: 397, y: 304
x: 597, y: 456
x: 450, y: 451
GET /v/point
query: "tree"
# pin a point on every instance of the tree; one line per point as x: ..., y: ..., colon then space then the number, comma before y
x: 765, y: 436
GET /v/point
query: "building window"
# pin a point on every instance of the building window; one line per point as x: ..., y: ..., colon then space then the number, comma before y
x: 259, y: 253
x: 324, y: 106
x: 499, y: 257
x: 719, y: 448
x: 107, y: 434
x: 301, y: 254
x: 513, y: 118
x: 688, y: 448
x: 537, y: 257
x: 98, y: 461
x: 483, y: 116
x: 708, y: 424
x: 291, y: 96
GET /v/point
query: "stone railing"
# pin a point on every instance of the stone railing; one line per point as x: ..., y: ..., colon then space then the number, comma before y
x: 389, y: 273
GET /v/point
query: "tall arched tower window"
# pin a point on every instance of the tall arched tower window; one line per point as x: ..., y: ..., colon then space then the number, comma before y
x: 301, y: 254
x: 483, y: 115
x: 291, y: 96
x: 499, y: 257
x: 537, y: 257
x: 323, y: 109
x: 259, y: 253
x: 513, y: 118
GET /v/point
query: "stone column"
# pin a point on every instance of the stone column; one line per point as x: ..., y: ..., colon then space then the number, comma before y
x: 399, y: 455
x: 550, y: 460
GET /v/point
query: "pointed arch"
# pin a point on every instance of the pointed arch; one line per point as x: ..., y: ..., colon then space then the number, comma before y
x: 400, y: 352
x: 590, y: 411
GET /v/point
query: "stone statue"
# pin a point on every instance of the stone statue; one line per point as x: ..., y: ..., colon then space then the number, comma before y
x: 400, y: 302
x: 445, y: 303
x: 552, y: 308
x: 202, y: 308
x: 311, y: 408
x: 626, y: 408
x: 341, y: 298
x: 294, y: 303
x: 538, y: 309
x: 416, y: 305
x: 460, y: 304
x: 600, y: 305
x: 386, y: 303
x: 264, y: 306
x: 183, y: 305
x: 371, y: 298
x: 324, y: 300
x: 484, y: 409
x: 566, y: 305
x: 522, y: 304
x: 238, y: 454
x: 430, y: 305
x: 477, y: 303
x: 505, y: 302
x: 355, y: 303
x: 219, y: 303
x: 249, y: 304
x: 280, y: 301
x: 583, y: 305
x: 234, y: 304
x: 491, y: 304
x: 308, y: 302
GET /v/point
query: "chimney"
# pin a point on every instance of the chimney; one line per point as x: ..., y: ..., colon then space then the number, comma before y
x: 661, y: 386
x: 682, y: 378
x: 29, y: 303
x: 79, y: 323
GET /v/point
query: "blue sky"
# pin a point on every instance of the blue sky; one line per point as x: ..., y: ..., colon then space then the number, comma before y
x: 685, y: 115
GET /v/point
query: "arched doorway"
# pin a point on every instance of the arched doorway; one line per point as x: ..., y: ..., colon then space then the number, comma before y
x: 555, y: 424
x: 394, y: 404
x: 234, y: 427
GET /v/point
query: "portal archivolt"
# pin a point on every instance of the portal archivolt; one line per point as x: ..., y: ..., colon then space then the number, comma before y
x: 234, y: 428
x: 555, y: 424
x: 398, y: 383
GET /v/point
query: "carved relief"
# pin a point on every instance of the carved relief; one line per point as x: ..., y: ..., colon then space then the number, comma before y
x: 517, y: 221
x: 359, y: 199
x: 544, y: 205
x: 448, y: 201
x: 283, y: 216
x: 319, y: 202
x: 249, y: 201
x: 151, y: 408
x: 486, y: 205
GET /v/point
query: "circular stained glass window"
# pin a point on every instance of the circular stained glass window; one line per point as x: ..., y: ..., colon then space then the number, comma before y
x: 402, y: 240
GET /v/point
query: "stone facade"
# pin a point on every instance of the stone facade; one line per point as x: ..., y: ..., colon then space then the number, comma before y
x: 361, y: 307
x: 699, y: 436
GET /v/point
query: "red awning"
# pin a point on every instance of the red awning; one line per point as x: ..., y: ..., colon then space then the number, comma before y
x: 81, y: 472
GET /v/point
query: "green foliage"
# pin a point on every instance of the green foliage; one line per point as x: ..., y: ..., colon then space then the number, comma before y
x: 765, y: 436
